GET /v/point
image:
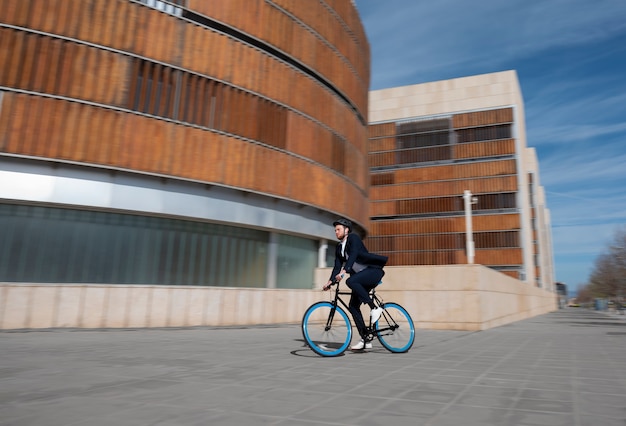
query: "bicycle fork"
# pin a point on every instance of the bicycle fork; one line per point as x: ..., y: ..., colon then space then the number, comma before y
x: 329, y: 322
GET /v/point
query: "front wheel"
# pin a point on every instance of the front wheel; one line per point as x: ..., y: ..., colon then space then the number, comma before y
x: 326, y: 329
x: 395, y: 329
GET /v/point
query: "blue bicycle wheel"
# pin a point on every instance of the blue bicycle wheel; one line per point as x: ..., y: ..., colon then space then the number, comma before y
x: 326, y: 329
x: 395, y: 329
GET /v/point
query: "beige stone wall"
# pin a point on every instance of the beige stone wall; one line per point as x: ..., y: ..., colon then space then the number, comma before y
x: 471, y: 93
x: 460, y: 297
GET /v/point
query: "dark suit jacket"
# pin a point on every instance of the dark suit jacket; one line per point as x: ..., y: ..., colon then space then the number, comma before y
x: 356, y: 253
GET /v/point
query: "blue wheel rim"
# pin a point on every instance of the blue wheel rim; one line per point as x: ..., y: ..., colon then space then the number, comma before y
x: 317, y: 348
x: 411, y: 339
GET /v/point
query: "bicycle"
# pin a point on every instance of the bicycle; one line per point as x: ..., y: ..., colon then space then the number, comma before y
x: 327, y: 329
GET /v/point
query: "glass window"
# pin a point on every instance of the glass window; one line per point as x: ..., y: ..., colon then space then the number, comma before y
x: 297, y: 259
x: 41, y: 244
x: 166, y: 6
x: 423, y: 141
x: 330, y: 254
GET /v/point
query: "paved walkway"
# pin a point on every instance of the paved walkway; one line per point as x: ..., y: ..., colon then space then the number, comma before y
x: 564, y: 368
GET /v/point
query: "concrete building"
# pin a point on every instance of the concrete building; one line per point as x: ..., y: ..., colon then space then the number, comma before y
x: 179, y: 163
x: 432, y: 142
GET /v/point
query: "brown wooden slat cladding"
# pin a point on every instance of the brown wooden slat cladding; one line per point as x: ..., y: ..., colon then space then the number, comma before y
x: 382, y: 179
x: 164, y: 29
x: 458, y: 171
x: 512, y: 256
x: 483, y: 118
x: 17, y: 12
x: 443, y: 188
x: 14, y: 63
x: 99, y: 136
x: 83, y: 73
x: 503, y: 257
x: 380, y: 130
x: 444, y: 241
x: 328, y: 130
x: 340, y: 54
x: 497, y: 222
x: 382, y: 144
x: 424, y: 192
x: 449, y: 257
x: 485, y: 149
x: 455, y: 204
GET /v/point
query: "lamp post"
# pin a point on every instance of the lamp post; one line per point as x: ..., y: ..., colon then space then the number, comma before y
x: 468, y: 200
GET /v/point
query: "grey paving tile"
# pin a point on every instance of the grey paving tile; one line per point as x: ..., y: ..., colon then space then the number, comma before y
x: 347, y: 415
x: 517, y: 377
x: 488, y: 401
x: 390, y: 418
x: 544, y: 405
x: 599, y: 420
x: 549, y: 395
x: 549, y: 378
x: 500, y: 382
x: 430, y: 396
x: 541, y: 385
x: 601, y: 386
x: 510, y: 392
x: 450, y: 379
x: 420, y: 409
x: 605, y: 405
x: 530, y: 418
x: 564, y: 368
x: 469, y: 416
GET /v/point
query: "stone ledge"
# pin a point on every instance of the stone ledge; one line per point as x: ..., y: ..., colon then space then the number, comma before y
x: 459, y: 297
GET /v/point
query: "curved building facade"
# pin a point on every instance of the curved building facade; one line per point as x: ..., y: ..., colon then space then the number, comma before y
x: 179, y: 142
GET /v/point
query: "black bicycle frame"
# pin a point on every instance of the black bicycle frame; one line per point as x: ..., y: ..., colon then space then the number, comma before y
x: 370, y: 330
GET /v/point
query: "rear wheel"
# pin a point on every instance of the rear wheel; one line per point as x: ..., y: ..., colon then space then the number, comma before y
x: 395, y: 329
x: 326, y: 329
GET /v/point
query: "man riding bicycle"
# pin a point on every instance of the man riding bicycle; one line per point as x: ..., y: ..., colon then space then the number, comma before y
x: 366, y: 271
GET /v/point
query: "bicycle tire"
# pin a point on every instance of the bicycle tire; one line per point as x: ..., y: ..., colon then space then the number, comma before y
x: 323, y: 340
x: 395, y: 329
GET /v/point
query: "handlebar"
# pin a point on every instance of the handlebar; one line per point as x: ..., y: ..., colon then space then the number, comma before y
x: 334, y: 281
x: 328, y: 286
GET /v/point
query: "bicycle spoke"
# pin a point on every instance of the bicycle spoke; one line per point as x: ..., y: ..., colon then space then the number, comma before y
x: 326, y: 329
x: 395, y: 329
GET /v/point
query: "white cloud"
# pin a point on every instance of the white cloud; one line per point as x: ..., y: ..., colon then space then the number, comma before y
x: 435, y: 40
x: 581, y: 167
x: 572, y: 212
x: 555, y: 132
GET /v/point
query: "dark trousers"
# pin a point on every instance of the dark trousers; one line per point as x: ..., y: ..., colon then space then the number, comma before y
x: 361, y: 283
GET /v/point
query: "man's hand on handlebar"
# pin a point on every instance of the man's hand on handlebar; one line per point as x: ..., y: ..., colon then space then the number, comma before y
x: 340, y: 275
x: 330, y: 283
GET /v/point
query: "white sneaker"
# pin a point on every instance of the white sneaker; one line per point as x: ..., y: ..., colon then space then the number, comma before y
x: 359, y: 346
x: 375, y: 314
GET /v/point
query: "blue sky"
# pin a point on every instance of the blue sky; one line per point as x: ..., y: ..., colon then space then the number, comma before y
x: 570, y: 57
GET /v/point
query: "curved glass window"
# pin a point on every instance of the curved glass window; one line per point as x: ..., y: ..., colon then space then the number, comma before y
x: 295, y: 257
x: 56, y: 245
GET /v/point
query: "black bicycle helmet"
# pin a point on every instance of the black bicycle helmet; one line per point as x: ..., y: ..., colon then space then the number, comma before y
x: 344, y: 222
